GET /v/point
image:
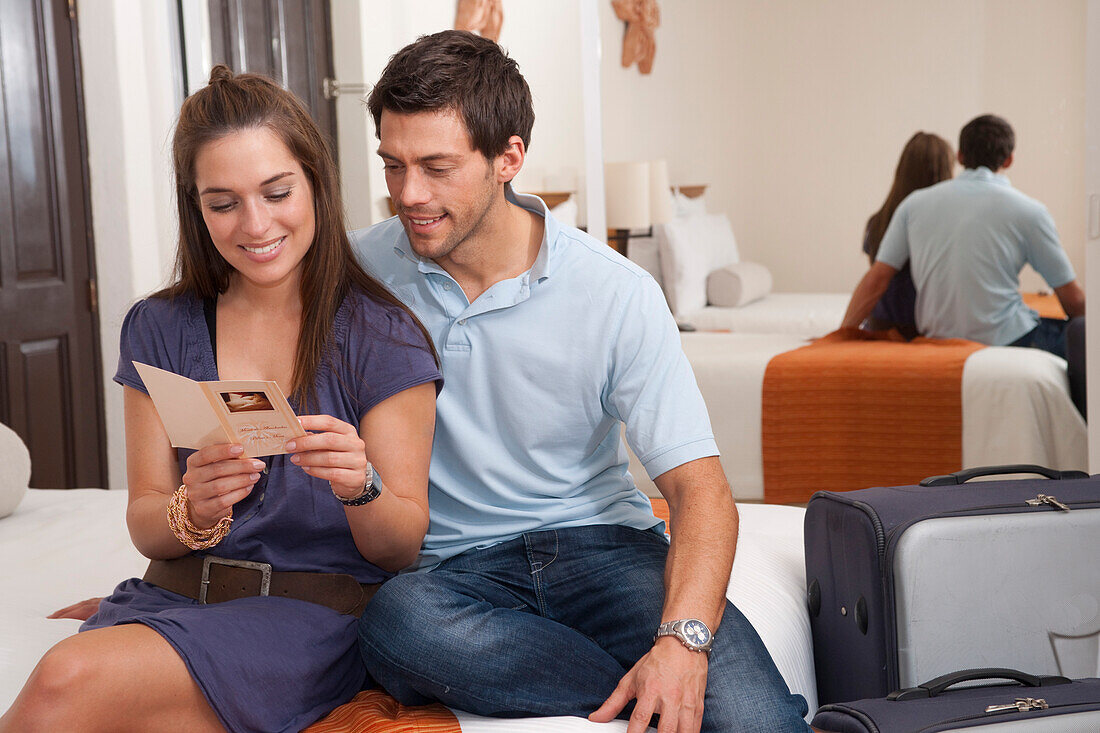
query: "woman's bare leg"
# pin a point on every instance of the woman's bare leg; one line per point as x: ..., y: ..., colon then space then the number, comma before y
x: 120, y: 678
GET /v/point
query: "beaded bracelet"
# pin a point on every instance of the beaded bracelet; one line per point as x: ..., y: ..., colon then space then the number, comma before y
x: 179, y: 521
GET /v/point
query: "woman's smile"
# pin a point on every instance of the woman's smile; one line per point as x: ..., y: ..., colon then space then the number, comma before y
x: 266, y: 251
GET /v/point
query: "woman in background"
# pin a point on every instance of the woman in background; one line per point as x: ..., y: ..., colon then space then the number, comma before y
x: 925, y: 160
x: 267, y: 288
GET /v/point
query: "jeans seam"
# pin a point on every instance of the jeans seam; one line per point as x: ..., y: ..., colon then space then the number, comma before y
x: 536, y: 570
x: 556, y: 548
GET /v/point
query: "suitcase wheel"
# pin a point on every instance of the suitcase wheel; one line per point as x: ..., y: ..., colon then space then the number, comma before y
x: 861, y: 615
x: 813, y: 597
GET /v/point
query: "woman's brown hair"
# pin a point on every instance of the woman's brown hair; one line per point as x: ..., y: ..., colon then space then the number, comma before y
x: 926, y: 159
x: 234, y: 102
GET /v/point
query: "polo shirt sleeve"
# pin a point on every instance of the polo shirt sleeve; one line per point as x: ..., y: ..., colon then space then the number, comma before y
x: 1045, y: 253
x: 651, y: 387
x: 894, y: 248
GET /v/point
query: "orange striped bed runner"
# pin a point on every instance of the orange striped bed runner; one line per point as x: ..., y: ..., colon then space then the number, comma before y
x: 853, y: 410
x: 374, y: 711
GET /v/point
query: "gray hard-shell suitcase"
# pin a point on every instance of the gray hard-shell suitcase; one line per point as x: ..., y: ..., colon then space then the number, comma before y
x: 1030, y: 704
x: 909, y: 583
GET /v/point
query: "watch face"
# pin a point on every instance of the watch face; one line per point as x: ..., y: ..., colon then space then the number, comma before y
x: 696, y: 632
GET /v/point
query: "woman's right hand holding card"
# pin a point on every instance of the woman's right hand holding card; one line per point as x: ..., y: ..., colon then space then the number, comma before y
x: 217, y: 477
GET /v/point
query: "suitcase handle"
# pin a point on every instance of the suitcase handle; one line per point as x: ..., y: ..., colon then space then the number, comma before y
x: 932, y: 688
x: 961, y: 477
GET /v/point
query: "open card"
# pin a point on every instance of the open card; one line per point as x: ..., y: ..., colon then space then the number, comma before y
x: 253, y: 413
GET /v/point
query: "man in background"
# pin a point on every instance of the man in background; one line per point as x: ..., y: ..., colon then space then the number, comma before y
x: 966, y: 240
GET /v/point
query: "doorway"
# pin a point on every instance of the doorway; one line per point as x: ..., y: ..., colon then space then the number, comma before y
x: 287, y: 40
x: 50, y: 387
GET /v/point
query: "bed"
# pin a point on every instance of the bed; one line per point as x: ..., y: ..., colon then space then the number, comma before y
x: 1015, y: 406
x: 795, y: 314
x: 63, y: 546
x: 683, y: 257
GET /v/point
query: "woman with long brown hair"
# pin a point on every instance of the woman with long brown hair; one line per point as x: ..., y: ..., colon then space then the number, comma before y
x: 246, y: 617
x: 926, y: 159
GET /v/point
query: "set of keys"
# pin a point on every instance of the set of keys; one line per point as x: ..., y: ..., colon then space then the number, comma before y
x: 1045, y: 499
x: 1022, y: 705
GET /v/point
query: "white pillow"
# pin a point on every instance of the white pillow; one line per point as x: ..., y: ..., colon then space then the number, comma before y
x: 738, y: 284
x: 566, y: 212
x: 15, y: 470
x: 691, y: 248
x: 687, y: 206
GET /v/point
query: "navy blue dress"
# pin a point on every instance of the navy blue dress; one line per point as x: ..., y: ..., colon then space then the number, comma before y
x: 272, y: 664
x: 898, y: 305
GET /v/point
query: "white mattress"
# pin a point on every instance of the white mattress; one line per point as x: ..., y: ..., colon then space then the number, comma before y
x: 800, y: 314
x: 63, y: 546
x: 1016, y: 406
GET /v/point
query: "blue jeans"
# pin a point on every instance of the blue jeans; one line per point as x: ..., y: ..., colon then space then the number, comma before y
x: 547, y: 624
x: 1049, y: 335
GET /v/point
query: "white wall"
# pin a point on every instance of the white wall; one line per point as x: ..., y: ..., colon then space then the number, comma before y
x: 129, y: 98
x: 795, y: 112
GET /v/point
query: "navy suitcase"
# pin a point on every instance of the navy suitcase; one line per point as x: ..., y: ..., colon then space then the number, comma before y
x: 1047, y: 704
x: 909, y: 583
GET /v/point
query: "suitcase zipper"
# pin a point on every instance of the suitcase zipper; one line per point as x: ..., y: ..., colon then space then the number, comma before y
x: 1022, y: 705
x: 1013, y: 508
x: 880, y: 534
x: 1041, y: 499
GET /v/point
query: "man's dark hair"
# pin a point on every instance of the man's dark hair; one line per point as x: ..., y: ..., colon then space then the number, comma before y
x: 986, y: 141
x: 460, y: 71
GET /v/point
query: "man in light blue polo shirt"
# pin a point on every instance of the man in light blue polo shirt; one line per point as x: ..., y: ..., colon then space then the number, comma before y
x: 546, y: 585
x: 966, y: 240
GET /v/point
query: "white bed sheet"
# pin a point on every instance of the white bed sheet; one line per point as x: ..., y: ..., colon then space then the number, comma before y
x: 800, y: 314
x: 1016, y: 406
x: 63, y: 546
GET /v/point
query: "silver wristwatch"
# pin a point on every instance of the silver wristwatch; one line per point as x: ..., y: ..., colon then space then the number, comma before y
x: 369, y: 493
x: 691, y: 632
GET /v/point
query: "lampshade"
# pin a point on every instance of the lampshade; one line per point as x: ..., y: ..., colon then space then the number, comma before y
x: 660, y: 196
x: 627, y: 192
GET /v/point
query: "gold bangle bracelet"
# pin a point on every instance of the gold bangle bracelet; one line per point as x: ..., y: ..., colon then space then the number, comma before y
x: 179, y: 521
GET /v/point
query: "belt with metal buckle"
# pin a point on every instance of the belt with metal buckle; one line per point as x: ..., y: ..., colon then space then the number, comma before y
x: 211, y: 579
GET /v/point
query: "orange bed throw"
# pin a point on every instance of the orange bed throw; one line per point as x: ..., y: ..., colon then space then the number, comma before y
x: 373, y: 711
x: 853, y: 410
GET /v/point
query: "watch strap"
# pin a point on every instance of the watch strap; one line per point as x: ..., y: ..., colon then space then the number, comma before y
x: 370, y: 492
x: 676, y: 628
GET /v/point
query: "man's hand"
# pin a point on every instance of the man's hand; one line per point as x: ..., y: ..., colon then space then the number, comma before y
x: 671, y: 681
x: 81, y: 611
x: 870, y: 289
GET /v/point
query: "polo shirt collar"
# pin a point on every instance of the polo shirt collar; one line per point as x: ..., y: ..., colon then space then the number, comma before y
x: 539, y: 271
x: 982, y: 173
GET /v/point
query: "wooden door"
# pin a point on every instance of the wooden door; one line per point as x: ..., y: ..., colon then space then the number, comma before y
x: 50, y: 386
x: 288, y: 40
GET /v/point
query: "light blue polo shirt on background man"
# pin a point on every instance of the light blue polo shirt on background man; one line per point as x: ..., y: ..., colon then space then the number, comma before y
x: 966, y: 240
x: 540, y: 370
